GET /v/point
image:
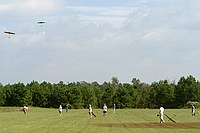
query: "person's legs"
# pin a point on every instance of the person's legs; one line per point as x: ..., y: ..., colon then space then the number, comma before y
x: 162, y: 119
x: 193, y: 112
x: 104, y: 113
x: 90, y: 114
x: 25, y: 111
x: 60, y: 113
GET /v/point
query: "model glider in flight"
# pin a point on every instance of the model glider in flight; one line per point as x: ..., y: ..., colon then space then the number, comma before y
x: 9, y: 33
x: 40, y: 22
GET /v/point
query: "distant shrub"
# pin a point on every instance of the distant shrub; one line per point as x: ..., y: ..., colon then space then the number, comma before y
x: 195, y: 103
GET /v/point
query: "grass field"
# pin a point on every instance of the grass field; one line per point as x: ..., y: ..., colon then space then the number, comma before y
x: 41, y: 120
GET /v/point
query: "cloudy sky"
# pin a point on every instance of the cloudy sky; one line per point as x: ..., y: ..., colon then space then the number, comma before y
x: 95, y: 40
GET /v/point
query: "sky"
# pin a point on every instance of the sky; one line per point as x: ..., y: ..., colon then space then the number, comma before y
x: 95, y: 40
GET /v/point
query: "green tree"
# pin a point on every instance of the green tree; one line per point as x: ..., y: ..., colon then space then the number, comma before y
x: 162, y: 92
x: 2, y: 95
x: 98, y: 93
x: 35, y: 91
x: 142, y: 94
x: 41, y: 94
x: 108, y: 93
x: 88, y: 95
x: 17, y: 95
x: 58, y: 95
x: 75, y: 96
x: 125, y: 96
x: 187, y: 89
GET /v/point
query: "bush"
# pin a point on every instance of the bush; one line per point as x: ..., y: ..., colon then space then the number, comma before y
x: 195, y: 103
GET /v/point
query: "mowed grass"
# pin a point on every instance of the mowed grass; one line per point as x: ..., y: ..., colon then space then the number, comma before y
x: 42, y: 120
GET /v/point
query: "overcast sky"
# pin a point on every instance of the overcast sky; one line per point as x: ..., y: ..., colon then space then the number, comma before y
x: 95, y: 40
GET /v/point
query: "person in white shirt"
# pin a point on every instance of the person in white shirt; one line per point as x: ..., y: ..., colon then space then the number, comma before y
x: 161, y: 114
x: 25, y: 109
x: 90, y: 110
x: 105, y: 108
x: 60, y: 110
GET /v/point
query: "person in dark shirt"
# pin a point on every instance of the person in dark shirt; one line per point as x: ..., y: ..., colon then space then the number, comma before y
x: 193, y: 110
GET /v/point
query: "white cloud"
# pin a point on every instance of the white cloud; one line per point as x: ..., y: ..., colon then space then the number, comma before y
x: 39, y: 7
x: 156, y: 35
x: 35, y: 38
x: 28, y: 8
x: 4, y: 8
x: 115, y: 16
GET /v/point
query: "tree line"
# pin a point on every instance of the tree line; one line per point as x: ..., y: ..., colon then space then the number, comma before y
x: 124, y: 95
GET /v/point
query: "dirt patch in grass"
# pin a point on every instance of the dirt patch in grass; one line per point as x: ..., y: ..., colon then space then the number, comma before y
x: 183, y: 125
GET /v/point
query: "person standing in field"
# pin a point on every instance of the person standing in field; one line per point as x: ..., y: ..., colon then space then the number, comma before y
x: 193, y: 110
x: 60, y: 110
x: 161, y: 114
x: 25, y: 109
x: 114, y: 107
x: 90, y: 110
x: 105, y: 108
x: 67, y: 107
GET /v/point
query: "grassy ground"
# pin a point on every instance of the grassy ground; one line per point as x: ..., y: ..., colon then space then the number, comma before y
x: 39, y: 120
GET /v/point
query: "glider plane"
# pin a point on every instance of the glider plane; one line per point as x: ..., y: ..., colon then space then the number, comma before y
x: 9, y: 33
x: 41, y: 22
